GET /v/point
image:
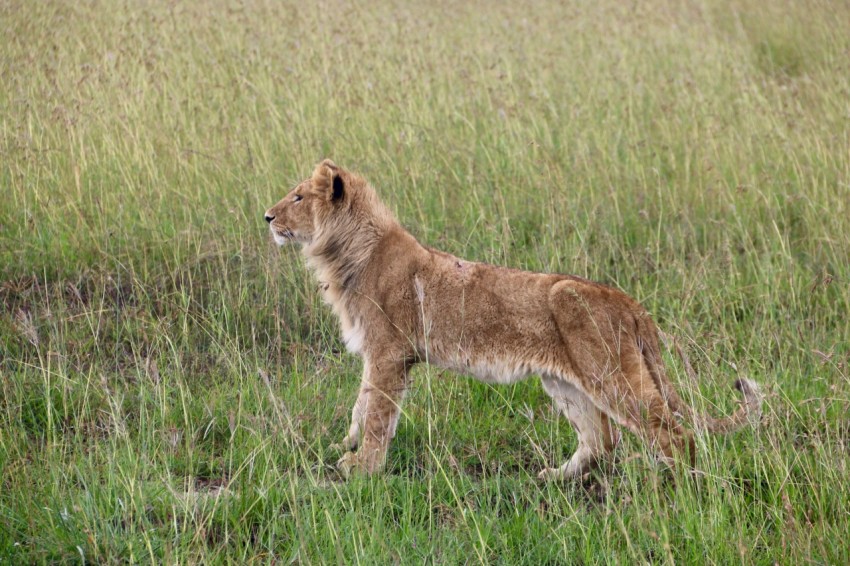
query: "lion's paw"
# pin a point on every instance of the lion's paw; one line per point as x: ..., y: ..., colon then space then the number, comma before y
x: 361, y: 462
x: 349, y: 464
x: 347, y: 444
x: 550, y: 474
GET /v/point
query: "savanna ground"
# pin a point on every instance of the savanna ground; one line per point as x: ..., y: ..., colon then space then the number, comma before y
x: 171, y: 382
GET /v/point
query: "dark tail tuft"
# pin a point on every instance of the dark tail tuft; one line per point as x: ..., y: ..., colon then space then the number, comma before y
x: 753, y: 398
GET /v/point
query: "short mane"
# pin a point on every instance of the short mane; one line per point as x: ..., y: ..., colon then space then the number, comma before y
x: 346, y: 234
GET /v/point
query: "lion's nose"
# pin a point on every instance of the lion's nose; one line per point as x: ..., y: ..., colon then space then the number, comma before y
x: 269, y: 218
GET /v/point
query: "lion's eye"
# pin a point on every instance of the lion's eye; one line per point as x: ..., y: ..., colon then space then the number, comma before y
x: 296, y: 198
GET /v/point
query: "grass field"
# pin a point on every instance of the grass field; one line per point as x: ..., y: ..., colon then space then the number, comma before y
x: 171, y: 382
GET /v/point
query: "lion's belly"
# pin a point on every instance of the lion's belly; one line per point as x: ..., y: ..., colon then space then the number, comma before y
x: 497, y: 354
x: 490, y: 369
x: 500, y: 371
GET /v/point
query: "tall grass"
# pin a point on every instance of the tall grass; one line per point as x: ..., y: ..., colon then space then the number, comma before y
x: 171, y: 383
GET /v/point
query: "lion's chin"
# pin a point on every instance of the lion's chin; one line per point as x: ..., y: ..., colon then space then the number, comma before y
x: 282, y: 237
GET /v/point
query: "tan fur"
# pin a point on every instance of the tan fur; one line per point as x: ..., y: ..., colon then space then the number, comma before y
x: 400, y: 303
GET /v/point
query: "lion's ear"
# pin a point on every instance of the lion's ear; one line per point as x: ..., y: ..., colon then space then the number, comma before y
x: 327, y: 179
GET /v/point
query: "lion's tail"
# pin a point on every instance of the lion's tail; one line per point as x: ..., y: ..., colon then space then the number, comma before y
x: 748, y: 412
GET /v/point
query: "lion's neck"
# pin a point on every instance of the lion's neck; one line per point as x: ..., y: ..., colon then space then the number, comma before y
x: 340, y: 254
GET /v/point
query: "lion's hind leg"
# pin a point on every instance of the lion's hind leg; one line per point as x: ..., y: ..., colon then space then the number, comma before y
x: 597, y: 437
x: 662, y: 431
x: 636, y: 403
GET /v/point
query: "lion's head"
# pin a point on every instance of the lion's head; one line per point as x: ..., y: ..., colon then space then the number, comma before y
x: 300, y: 214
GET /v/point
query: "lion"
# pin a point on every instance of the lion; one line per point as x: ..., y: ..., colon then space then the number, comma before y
x: 400, y: 303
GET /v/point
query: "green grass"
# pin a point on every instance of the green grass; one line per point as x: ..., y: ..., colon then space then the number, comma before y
x: 171, y: 382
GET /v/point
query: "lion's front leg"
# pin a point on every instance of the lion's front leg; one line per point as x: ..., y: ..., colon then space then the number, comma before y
x: 352, y: 439
x: 375, y: 416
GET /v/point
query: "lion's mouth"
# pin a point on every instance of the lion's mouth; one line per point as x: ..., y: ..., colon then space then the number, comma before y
x: 283, y: 236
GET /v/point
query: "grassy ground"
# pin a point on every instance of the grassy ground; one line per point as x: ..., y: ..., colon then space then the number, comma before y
x: 171, y: 382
